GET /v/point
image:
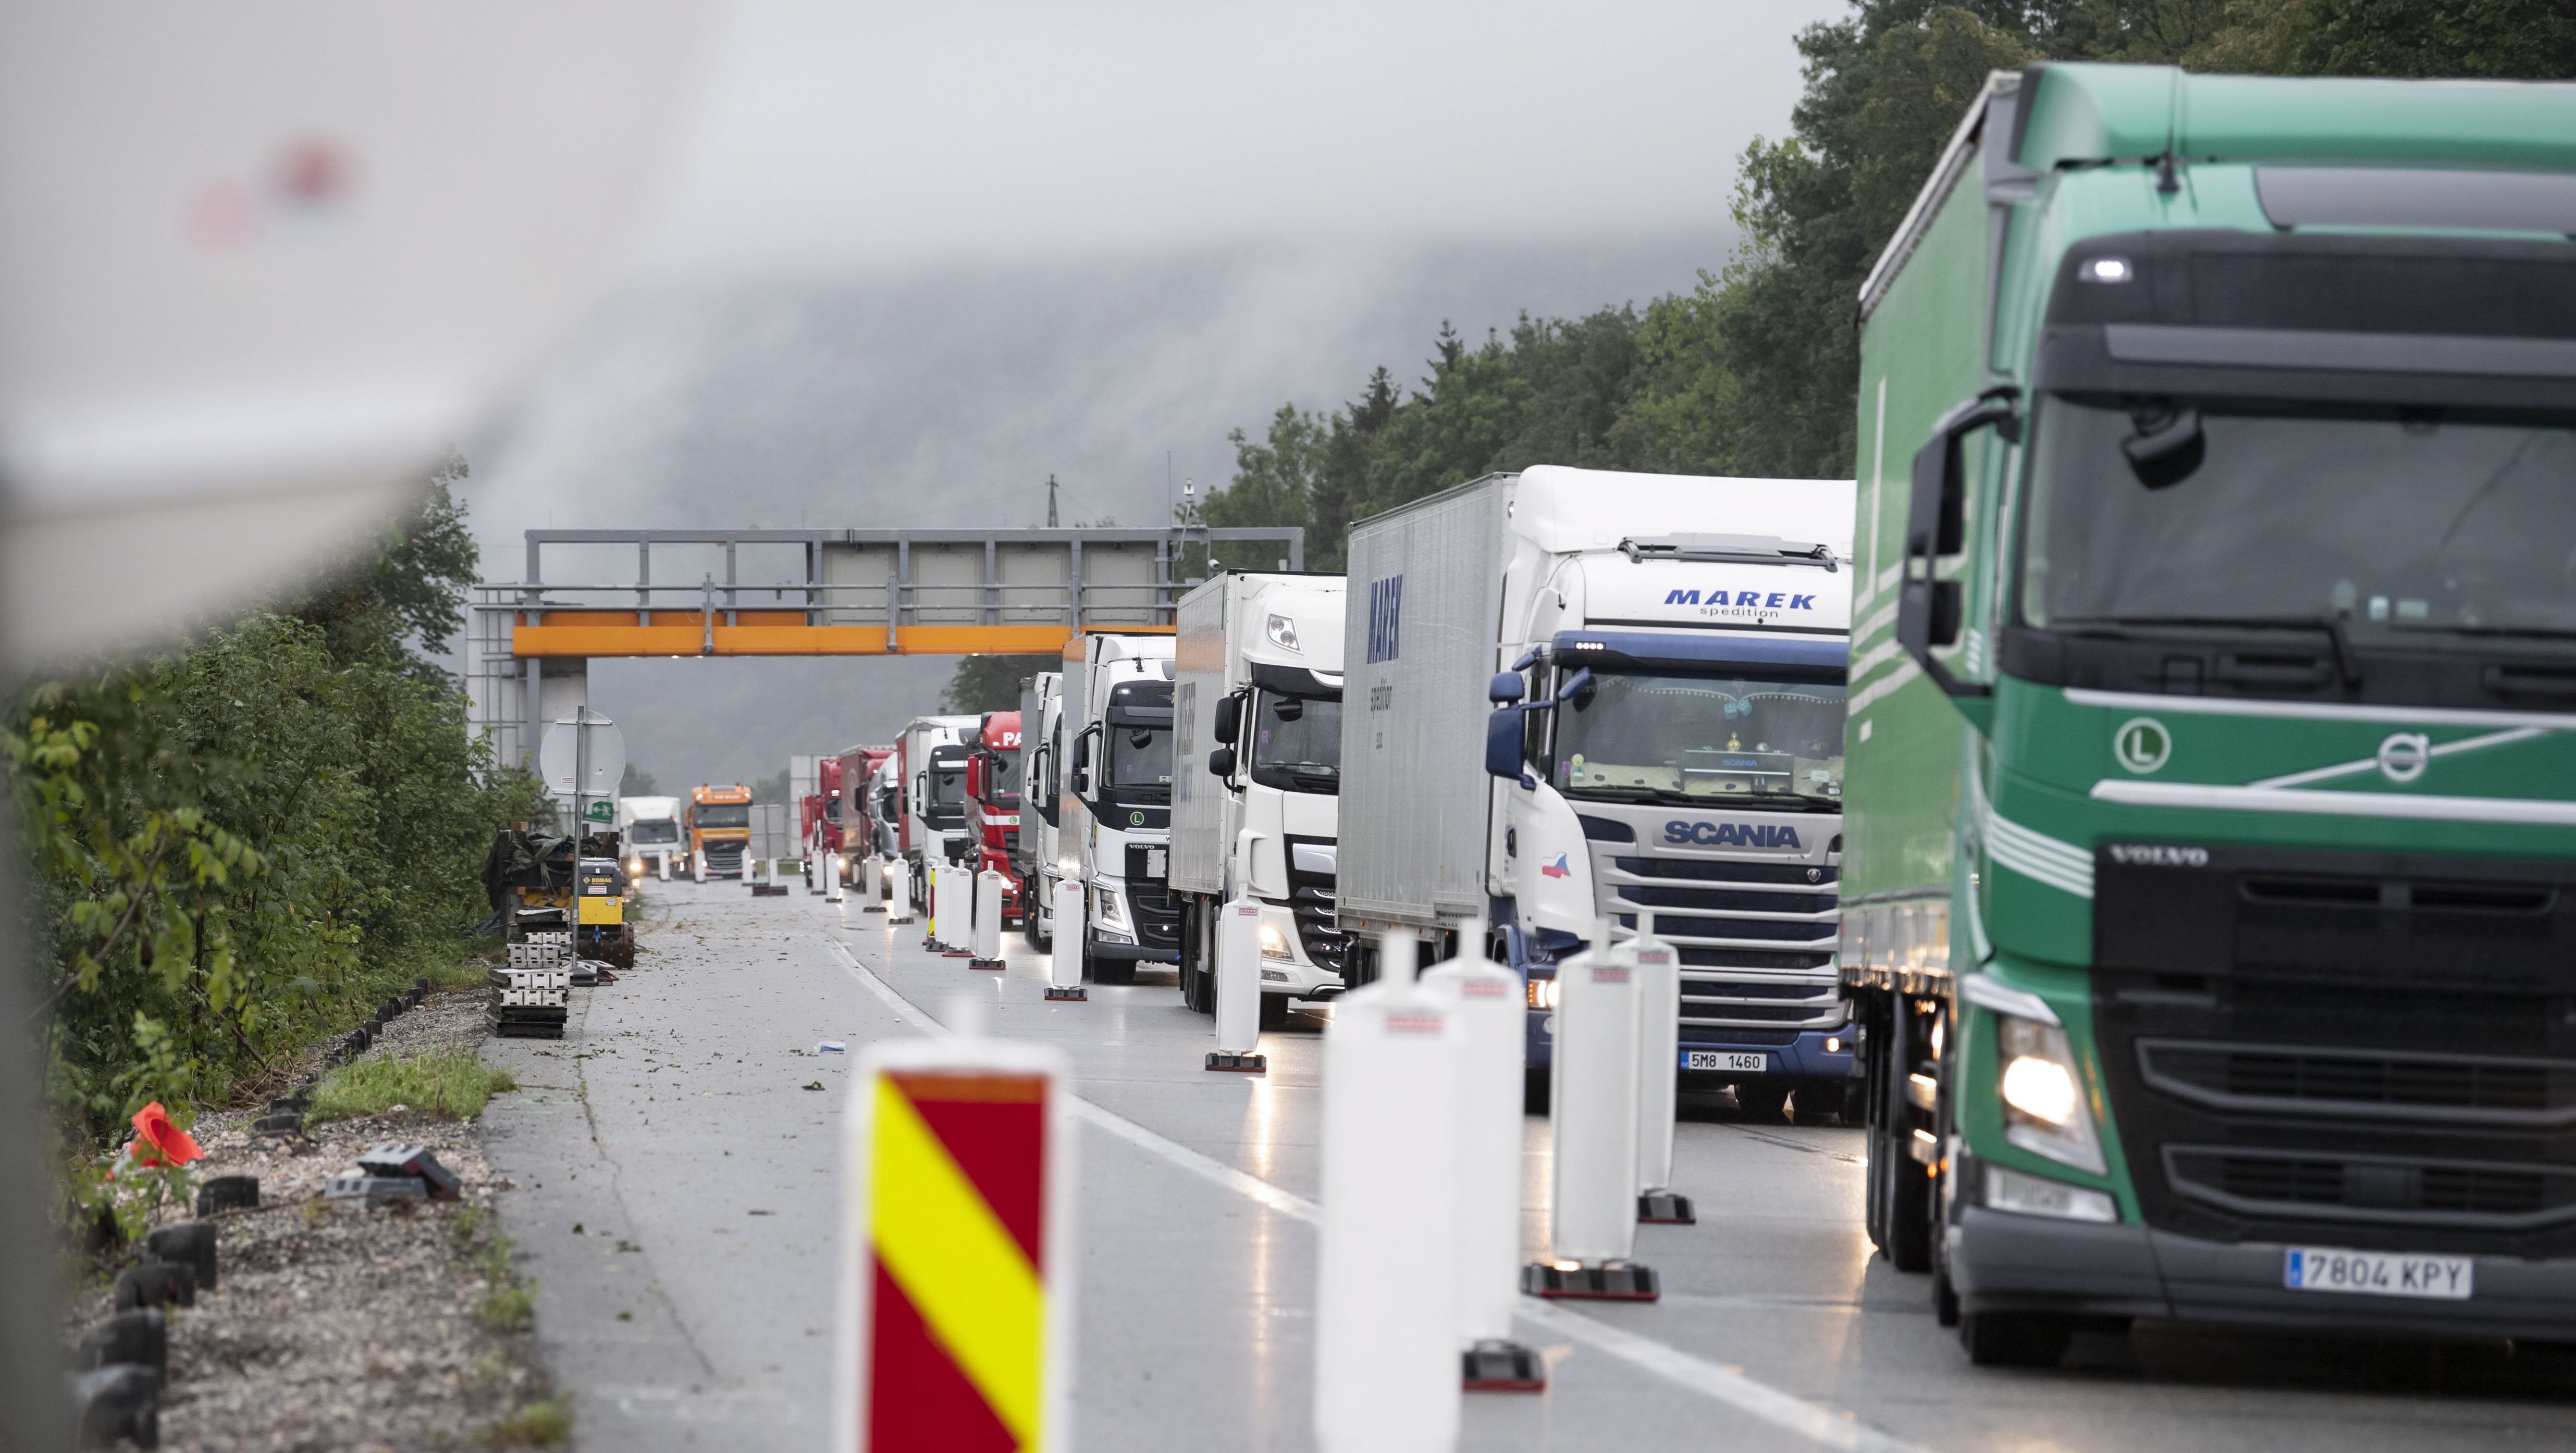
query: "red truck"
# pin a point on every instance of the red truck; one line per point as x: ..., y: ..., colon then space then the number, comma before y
x: 993, y: 802
x: 845, y: 804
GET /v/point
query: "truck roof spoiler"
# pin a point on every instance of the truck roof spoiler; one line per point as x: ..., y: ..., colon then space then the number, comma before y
x: 1729, y: 549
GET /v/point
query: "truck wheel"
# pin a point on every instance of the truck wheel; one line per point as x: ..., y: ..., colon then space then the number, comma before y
x: 1762, y: 1103
x: 1274, y: 1011
x: 1533, y: 1092
x: 1900, y: 1192
x: 1855, y: 1106
x: 1108, y: 971
x: 2015, y: 1339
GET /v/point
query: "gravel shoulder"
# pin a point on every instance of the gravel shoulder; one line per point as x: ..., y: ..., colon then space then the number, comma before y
x: 334, y: 1325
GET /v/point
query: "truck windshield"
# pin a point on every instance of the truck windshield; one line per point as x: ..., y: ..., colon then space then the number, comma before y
x: 653, y: 830
x: 1140, y: 763
x: 1653, y: 737
x: 1297, y: 743
x: 724, y: 814
x: 2404, y: 520
x: 947, y: 796
x: 1002, y: 781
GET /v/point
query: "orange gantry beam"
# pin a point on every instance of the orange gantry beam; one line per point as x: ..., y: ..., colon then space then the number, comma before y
x: 587, y: 633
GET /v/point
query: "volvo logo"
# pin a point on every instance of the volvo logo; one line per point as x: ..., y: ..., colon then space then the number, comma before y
x: 2142, y: 744
x: 2404, y: 756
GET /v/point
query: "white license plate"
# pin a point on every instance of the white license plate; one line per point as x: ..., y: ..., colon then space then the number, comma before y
x: 1718, y: 1059
x: 2376, y: 1273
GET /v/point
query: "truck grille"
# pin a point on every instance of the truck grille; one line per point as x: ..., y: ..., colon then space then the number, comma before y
x: 2375, y: 1188
x: 2300, y: 1045
x: 1729, y: 918
x: 1310, y: 897
x: 1158, y: 918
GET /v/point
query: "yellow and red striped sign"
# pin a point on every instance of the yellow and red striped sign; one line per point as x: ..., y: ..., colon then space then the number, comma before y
x: 959, y: 1189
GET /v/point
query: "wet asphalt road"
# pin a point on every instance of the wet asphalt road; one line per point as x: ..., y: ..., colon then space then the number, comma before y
x: 676, y: 1187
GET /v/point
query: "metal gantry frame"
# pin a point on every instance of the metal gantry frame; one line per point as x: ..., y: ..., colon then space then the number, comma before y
x: 862, y: 593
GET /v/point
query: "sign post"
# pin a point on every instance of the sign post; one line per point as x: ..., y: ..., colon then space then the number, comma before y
x: 956, y: 1266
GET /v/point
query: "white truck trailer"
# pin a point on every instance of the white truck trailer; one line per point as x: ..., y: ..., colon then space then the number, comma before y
x: 1114, y: 822
x: 648, y: 828
x: 1257, y: 722
x: 1042, y: 793
x: 1669, y: 655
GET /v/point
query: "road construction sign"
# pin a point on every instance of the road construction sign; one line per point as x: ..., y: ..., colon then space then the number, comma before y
x: 956, y: 1287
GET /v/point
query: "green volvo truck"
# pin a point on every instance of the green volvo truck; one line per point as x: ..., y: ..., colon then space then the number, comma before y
x: 2210, y: 873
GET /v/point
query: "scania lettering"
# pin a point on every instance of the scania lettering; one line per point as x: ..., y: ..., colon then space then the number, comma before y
x: 2211, y: 888
x: 1659, y: 749
x: 1258, y: 719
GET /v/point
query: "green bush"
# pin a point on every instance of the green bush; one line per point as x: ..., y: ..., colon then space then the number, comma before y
x: 450, y: 1082
x: 538, y: 1425
x: 243, y: 845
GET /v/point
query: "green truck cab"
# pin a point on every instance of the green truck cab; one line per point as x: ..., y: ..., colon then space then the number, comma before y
x: 2210, y: 861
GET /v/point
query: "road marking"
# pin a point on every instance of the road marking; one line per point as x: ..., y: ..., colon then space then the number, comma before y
x: 1787, y: 1411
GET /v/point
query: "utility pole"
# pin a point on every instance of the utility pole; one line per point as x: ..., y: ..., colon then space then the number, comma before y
x: 1051, y: 502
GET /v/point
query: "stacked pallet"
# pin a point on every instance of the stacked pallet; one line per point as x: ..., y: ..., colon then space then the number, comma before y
x: 531, y: 998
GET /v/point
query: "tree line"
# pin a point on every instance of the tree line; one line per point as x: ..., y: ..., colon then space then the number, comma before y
x: 1753, y: 371
x: 239, y: 845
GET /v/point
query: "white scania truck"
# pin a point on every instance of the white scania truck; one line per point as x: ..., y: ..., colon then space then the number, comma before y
x: 649, y: 829
x: 1257, y: 719
x: 1111, y: 761
x: 1668, y: 656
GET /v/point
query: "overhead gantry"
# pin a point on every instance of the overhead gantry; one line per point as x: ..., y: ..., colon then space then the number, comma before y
x: 821, y: 593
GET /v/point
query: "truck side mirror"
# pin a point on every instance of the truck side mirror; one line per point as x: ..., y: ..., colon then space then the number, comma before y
x: 1503, y: 743
x: 1929, y: 611
x: 1505, y: 688
x: 1578, y: 689
x: 1221, y: 762
x: 1041, y: 802
x: 1227, y: 724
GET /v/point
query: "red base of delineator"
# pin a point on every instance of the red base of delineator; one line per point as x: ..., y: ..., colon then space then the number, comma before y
x: 1503, y: 1366
x: 1626, y: 1282
x: 1246, y: 1064
x: 1076, y: 992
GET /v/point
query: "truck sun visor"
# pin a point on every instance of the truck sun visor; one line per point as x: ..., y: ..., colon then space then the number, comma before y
x: 1297, y: 681
x: 1576, y: 649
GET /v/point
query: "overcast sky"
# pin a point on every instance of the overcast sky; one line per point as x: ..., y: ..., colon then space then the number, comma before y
x: 916, y: 259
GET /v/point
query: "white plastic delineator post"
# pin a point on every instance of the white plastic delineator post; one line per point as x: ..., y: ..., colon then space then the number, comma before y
x: 1386, y: 1305
x: 666, y: 867
x: 872, y: 889
x: 1487, y: 1244
x: 832, y: 878
x: 899, y: 891
x: 1592, y: 1115
x: 1659, y: 1050
x: 988, y: 920
x: 1064, y: 958
x: 942, y: 921
x: 957, y: 912
x: 944, y: 1134
x: 1238, y: 988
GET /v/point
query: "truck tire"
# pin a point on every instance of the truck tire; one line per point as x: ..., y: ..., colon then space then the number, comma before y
x: 1534, y: 1092
x: 1274, y: 1011
x: 1107, y: 971
x: 2015, y: 1339
x: 1763, y: 1103
x: 1900, y: 1194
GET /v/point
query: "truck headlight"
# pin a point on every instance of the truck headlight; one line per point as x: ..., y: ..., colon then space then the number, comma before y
x: 1274, y: 944
x: 1542, y: 993
x: 1110, y: 912
x: 2043, y: 1094
x: 1282, y: 632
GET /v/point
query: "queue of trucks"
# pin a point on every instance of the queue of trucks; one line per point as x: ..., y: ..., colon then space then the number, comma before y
x: 2140, y: 800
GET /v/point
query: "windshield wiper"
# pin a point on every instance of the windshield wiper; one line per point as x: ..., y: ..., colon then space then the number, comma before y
x: 2347, y: 667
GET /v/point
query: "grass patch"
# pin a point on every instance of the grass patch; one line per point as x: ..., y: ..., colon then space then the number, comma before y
x: 449, y: 1082
x: 538, y: 1425
x: 508, y: 1309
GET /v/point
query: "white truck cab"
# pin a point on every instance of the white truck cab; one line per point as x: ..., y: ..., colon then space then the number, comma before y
x: 1668, y: 654
x: 1255, y: 812
x: 1114, y: 824
x: 931, y: 758
x: 1042, y: 796
x: 648, y: 828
